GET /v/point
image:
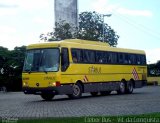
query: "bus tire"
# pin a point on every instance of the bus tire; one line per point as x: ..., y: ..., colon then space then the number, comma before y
x: 122, y: 88
x: 47, y: 97
x: 104, y: 93
x: 77, y: 91
x: 129, y: 88
x: 94, y: 93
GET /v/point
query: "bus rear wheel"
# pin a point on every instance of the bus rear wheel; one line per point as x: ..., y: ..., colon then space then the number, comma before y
x: 77, y: 91
x: 47, y: 97
x: 129, y: 88
x: 122, y: 88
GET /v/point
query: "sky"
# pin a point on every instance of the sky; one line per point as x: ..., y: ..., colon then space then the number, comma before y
x: 135, y: 21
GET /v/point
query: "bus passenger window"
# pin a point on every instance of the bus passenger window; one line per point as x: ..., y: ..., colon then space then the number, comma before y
x: 138, y: 60
x: 126, y: 59
x: 143, y: 60
x: 86, y: 56
x: 99, y: 57
x: 109, y: 59
x: 89, y: 56
x: 64, y: 59
x: 75, y: 59
x: 76, y: 55
x: 113, y: 58
x: 121, y: 59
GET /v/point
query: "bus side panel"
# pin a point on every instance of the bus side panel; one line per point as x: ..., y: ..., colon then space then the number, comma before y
x: 103, y: 73
x: 97, y: 77
x: 97, y: 87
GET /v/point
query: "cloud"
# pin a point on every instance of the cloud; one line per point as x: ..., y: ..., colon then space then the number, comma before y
x: 10, y: 38
x: 153, y: 55
x: 33, y: 4
x: 35, y: 13
x: 7, y: 29
x: 7, y: 36
x: 145, y: 13
x: 8, y: 41
x: 7, y: 12
x: 8, y: 6
x: 14, y: 7
x: 99, y: 5
x: 24, y: 4
x: 40, y: 20
x: 103, y: 7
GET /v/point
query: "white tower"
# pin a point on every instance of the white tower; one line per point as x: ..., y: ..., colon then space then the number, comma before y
x: 66, y: 10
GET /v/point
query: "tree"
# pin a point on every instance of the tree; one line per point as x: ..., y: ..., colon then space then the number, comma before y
x: 158, y: 64
x: 12, y: 65
x: 3, y: 55
x: 154, y: 69
x: 91, y: 28
x: 62, y: 30
x: 17, y: 57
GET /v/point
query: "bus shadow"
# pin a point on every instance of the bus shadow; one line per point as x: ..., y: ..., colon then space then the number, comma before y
x: 84, y: 97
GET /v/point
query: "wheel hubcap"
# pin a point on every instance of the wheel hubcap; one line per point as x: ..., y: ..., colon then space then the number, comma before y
x: 76, y: 90
x: 122, y: 87
x: 130, y: 87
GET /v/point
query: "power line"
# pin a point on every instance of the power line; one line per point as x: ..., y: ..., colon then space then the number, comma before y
x: 136, y: 25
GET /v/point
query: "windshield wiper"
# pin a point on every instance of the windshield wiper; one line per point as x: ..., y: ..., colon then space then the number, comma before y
x: 44, y: 70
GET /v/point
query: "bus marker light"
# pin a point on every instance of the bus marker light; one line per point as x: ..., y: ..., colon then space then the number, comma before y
x: 56, y: 83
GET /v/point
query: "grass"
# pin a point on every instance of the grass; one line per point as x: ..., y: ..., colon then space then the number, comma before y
x: 144, y: 118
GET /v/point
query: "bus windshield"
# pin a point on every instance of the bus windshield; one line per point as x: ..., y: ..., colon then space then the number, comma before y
x: 42, y: 60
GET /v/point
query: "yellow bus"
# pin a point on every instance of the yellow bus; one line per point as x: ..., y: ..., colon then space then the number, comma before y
x: 74, y: 66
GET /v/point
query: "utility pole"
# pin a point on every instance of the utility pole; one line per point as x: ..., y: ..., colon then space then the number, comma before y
x: 105, y: 15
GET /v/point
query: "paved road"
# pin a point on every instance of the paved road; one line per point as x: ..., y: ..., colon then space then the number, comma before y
x: 18, y: 105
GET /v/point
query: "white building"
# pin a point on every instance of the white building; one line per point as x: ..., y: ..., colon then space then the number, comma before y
x: 66, y: 10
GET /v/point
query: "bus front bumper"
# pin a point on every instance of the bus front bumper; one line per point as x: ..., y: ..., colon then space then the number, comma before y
x: 66, y: 89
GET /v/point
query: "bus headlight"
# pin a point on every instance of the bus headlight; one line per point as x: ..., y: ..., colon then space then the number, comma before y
x: 25, y: 83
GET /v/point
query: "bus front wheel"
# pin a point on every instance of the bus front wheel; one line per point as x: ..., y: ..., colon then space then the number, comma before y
x: 47, y: 97
x: 77, y: 91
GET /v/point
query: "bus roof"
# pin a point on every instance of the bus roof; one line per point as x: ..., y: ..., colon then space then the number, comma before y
x: 83, y: 44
